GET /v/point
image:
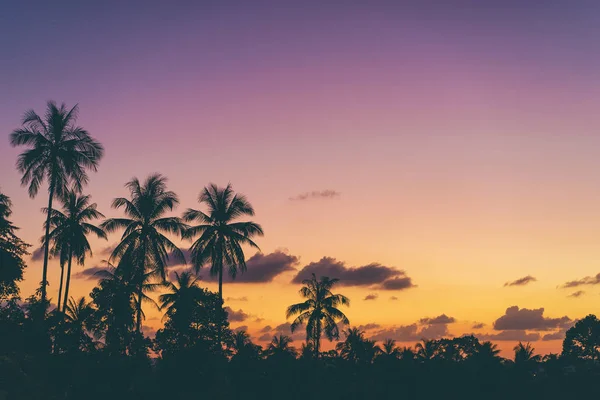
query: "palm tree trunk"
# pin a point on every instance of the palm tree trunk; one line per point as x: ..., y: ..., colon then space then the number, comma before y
x: 139, y: 311
x: 68, y: 279
x: 221, y: 298
x: 317, y: 339
x: 47, y: 242
x: 60, y: 288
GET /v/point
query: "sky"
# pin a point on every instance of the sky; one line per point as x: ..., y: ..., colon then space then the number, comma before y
x: 428, y: 153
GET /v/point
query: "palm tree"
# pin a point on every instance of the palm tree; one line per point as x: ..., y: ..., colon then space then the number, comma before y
x: 319, y: 312
x: 69, y: 234
x: 356, y: 348
x: 280, y: 346
x: 427, y: 349
x: 79, y: 318
x: 60, y: 153
x: 243, y: 346
x: 390, y: 350
x: 182, y: 300
x: 143, y: 241
x: 524, y: 356
x: 221, y: 238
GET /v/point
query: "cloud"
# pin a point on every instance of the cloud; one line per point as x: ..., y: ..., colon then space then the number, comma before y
x: 588, y: 280
x: 236, y: 316
x: 578, y: 293
x: 243, y: 298
x: 393, y: 298
x: 369, y: 327
x: 412, y: 333
x: 266, y: 337
x: 37, y: 254
x: 149, y: 331
x: 323, y: 194
x: 241, y: 328
x: 559, y: 335
x: 267, y: 328
x: 478, y: 325
x: 521, y: 281
x: 511, y: 335
x: 441, y: 319
x: 107, y: 250
x: 88, y: 273
x: 521, y: 319
x: 399, y: 283
x: 261, y: 268
x: 371, y: 297
x: 368, y: 275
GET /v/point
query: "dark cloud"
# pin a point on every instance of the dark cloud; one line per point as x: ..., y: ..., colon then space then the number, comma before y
x: 373, y: 296
x: 323, y: 194
x: 578, y: 293
x: 440, y: 319
x: 88, y: 273
x: 261, y: 268
x: 588, y: 280
x: 369, y: 327
x: 241, y: 328
x: 521, y: 319
x: 265, y: 337
x: 512, y: 335
x: 369, y: 275
x: 521, y: 281
x: 236, y: 316
x: 267, y: 328
x: 559, y: 335
x: 37, y: 254
x: 285, y: 329
x: 478, y: 325
x: 412, y: 333
x: 243, y: 298
x: 149, y: 331
x: 398, y: 283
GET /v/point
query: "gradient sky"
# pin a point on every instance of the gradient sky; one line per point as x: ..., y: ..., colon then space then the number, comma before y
x: 461, y: 136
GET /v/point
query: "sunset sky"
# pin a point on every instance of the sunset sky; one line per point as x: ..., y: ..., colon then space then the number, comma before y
x: 454, y: 146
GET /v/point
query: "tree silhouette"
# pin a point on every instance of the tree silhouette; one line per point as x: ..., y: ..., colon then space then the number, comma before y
x: 143, y: 242
x: 280, y: 347
x: 356, y: 348
x: 220, y: 237
x: 319, y: 312
x: 68, y: 235
x: 59, y: 152
x: 79, y: 321
x: 12, y: 250
x: 525, y: 359
x: 582, y: 341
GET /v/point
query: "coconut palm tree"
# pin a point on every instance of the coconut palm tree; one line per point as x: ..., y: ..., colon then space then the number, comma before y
x: 220, y: 237
x: 319, y: 312
x: 182, y: 300
x: 389, y: 349
x: 281, y: 346
x: 525, y: 357
x: 79, y: 320
x: 356, y: 348
x: 427, y: 349
x: 69, y: 231
x: 143, y: 242
x: 58, y: 152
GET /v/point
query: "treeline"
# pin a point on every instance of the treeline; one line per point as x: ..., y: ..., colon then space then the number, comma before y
x: 95, y: 348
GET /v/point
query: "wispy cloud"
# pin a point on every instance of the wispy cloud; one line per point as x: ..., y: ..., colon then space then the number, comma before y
x: 521, y: 281
x: 316, y: 194
x: 371, y: 297
x: 588, y: 280
x: 578, y: 293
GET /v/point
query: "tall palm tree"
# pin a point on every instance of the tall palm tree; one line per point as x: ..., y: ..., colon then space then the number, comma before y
x: 69, y: 231
x: 319, y: 312
x: 143, y: 241
x: 60, y: 153
x: 281, y: 346
x: 221, y: 237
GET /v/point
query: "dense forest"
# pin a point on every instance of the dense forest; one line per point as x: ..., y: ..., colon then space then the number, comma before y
x: 94, y: 347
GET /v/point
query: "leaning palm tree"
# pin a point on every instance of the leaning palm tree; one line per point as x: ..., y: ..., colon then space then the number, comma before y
x: 319, y: 312
x: 60, y: 153
x: 69, y: 231
x: 143, y: 242
x: 221, y: 237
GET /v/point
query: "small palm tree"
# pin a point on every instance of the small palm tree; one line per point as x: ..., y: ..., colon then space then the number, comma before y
x: 281, y: 346
x: 182, y: 299
x: 243, y: 346
x: 389, y: 349
x: 143, y: 242
x: 525, y: 357
x: 220, y: 237
x: 427, y: 349
x: 59, y: 152
x: 319, y: 312
x: 69, y: 231
x: 79, y: 319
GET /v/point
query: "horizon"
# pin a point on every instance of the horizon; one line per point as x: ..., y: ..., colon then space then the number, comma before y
x: 452, y: 147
